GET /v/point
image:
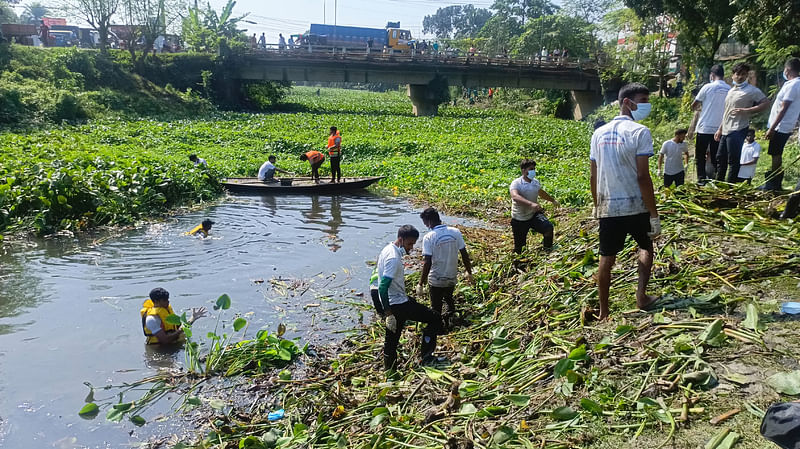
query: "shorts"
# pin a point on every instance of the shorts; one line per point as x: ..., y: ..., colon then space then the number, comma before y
x: 614, y: 231
x: 777, y: 143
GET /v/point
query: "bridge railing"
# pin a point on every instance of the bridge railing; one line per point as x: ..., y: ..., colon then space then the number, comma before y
x: 449, y: 56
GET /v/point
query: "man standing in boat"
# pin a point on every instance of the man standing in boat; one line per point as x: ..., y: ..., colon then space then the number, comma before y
x: 335, y: 153
x: 315, y: 158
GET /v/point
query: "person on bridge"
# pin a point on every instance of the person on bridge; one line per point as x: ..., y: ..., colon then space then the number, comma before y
x: 253, y: 42
x: 281, y: 42
x: 291, y: 42
x: 335, y: 154
x: 262, y: 42
x: 154, y: 315
x: 315, y: 158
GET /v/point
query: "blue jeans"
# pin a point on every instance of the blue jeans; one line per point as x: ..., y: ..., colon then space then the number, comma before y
x: 729, y: 154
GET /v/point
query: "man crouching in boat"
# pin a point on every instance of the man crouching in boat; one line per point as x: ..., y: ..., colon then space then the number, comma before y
x: 154, y: 318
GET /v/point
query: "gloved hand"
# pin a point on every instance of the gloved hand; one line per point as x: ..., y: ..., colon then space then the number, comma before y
x: 391, y: 324
x: 420, y: 291
x: 655, y: 227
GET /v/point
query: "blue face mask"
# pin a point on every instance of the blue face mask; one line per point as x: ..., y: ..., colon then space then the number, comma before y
x: 783, y: 75
x: 642, y: 111
x: 531, y: 173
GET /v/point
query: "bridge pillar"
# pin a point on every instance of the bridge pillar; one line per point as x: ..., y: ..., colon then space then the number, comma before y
x: 584, y: 102
x: 423, y: 100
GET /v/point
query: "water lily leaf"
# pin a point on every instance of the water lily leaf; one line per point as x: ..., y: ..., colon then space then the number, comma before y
x: 173, y: 319
x: 138, y: 420
x: 751, y: 321
x: 503, y: 434
x: 520, y: 400
x: 578, y: 353
x: 115, y: 414
x: 467, y: 409
x: 239, y: 323
x: 251, y: 442
x: 711, y: 331
x: 223, y: 302
x: 786, y: 383
x: 89, y: 411
x: 563, y: 413
x: 591, y: 406
x: 562, y: 367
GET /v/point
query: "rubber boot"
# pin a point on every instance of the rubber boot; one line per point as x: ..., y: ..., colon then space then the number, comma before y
x: 428, y: 346
x: 774, y: 181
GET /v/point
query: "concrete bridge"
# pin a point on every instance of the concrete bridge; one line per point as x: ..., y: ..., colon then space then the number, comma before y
x: 420, y: 70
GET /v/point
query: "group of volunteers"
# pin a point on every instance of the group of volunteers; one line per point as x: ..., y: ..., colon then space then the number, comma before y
x: 266, y: 173
x: 622, y: 194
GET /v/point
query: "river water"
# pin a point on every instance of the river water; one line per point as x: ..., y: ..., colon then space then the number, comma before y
x: 69, y: 308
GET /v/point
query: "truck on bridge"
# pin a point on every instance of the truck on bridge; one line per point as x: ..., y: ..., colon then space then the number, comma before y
x: 393, y: 40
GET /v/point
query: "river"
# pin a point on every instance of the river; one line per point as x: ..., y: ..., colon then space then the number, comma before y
x: 69, y: 307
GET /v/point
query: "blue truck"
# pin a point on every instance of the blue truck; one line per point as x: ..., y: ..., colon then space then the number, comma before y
x: 347, y: 36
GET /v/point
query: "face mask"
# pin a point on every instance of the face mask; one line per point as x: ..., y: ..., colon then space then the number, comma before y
x: 783, y: 75
x: 739, y: 84
x: 642, y: 111
x: 402, y: 250
x: 531, y: 173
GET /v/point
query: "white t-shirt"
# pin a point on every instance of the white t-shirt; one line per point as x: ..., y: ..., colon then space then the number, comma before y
x: 789, y: 92
x: 443, y: 244
x: 200, y: 161
x: 614, y: 148
x: 742, y: 96
x: 266, y: 171
x: 712, y: 96
x: 750, y: 151
x: 529, y: 191
x: 390, y: 264
x: 673, y: 152
x: 153, y: 324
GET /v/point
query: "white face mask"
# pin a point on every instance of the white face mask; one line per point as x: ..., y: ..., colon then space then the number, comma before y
x: 402, y: 250
x: 642, y: 111
x: 531, y: 173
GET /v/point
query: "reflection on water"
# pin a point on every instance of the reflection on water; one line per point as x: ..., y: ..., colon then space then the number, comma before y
x: 69, y: 308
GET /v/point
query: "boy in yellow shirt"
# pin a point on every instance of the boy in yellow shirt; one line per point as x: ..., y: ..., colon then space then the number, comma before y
x: 202, y: 228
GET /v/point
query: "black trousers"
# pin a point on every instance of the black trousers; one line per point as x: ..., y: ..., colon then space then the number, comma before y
x: 443, y: 296
x: 336, y: 169
x: 411, y: 311
x: 729, y: 155
x: 677, y: 178
x: 705, y: 143
x: 315, y: 169
x: 538, y: 223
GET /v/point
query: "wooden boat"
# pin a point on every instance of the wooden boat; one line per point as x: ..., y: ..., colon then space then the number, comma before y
x: 298, y: 185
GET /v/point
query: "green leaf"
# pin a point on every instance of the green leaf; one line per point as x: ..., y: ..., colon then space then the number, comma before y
x: 138, y: 420
x: 380, y: 411
x: 786, y: 383
x: 751, y: 321
x: 503, y: 434
x: 216, y: 404
x: 748, y: 227
x: 173, y: 319
x: 563, y: 413
x: 251, y: 442
x: 591, y: 406
x: 562, y: 367
x: 61, y: 199
x: 285, y: 375
x: 623, y: 329
x: 239, y: 323
x: 115, y: 415
x: 377, y: 420
x: 578, y: 353
x: 711, y: 331
x: 492, y: 410
x: 520, y: 400
x: 467, y: 409
x: 89, y: 411
x: 194, y: 400
x: 223, y: 302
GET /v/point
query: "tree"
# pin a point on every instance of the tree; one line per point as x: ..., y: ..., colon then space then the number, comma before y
x: 591, y: 11
x: 7, y: 14
x: 523, y: 10
x: 97, y: 13
x: 773, y: 26
x: 147, y: 20
x: 33, y: 13
x: 458, y: 21
x: 557, y: 31
x: 702, y: 25
x: 499, y: 34
x: 203, y: 30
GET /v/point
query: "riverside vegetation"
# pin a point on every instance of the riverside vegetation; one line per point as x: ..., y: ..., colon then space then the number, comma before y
x: 526, y: 368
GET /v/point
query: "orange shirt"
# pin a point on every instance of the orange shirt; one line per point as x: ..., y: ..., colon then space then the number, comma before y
x: 315, y: 157
x: 332, y: 143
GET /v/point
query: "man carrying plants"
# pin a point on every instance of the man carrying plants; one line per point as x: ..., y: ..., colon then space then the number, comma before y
x: 315, y: 158
x: 397, y: 306
x: 335, y: 153
x: 526, y: 212
x: 441, y: 248
x: 622, y: 191
x: 154, y: 315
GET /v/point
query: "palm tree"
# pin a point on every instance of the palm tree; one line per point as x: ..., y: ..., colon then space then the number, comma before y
x: 34, y: 12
